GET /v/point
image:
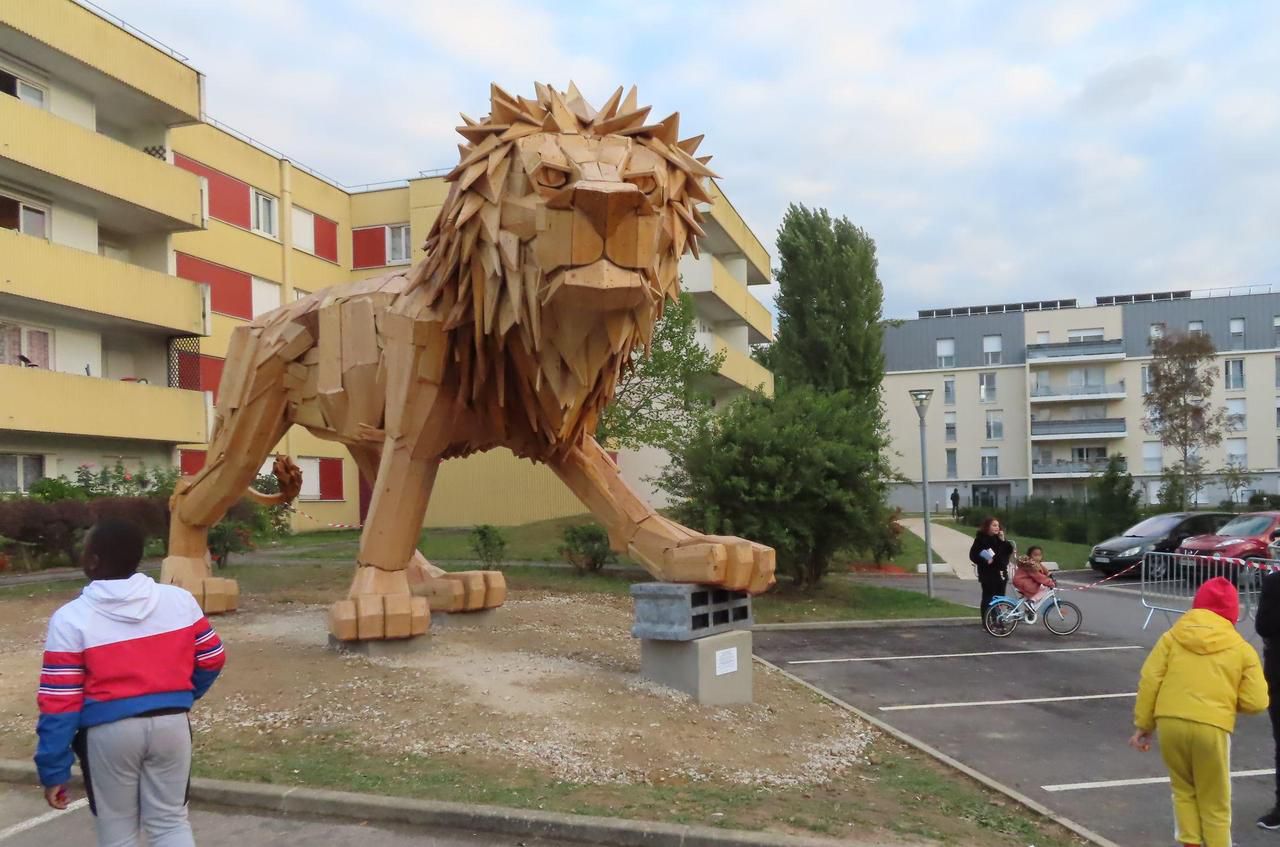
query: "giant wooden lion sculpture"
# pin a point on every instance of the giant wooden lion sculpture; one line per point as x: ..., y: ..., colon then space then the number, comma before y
x: 547, y: 267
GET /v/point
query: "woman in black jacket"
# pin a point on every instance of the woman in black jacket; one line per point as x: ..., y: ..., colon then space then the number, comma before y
x: 990, y: 554
x: 1267, y: 623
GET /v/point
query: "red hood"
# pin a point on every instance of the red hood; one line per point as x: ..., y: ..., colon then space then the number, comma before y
x: 1219, y: 596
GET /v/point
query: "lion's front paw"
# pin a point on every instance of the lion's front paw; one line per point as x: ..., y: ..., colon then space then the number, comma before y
x: 728, y: 561
x: 370, y: 617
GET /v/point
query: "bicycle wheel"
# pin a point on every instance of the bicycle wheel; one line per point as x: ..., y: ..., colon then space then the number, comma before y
x: 1062, y: 618
x: 1001, y: 619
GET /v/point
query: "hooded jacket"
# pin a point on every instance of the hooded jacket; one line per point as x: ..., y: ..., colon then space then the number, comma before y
x: 1202, y: 670
x: 124, y: 647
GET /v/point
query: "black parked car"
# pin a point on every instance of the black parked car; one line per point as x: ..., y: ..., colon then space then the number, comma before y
x: 1159, y: 533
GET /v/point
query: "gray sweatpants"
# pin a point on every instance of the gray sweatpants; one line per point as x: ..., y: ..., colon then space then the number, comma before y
x: 138, y: 768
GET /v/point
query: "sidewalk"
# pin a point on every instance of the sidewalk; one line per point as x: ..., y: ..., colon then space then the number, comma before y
x: 951, y: 545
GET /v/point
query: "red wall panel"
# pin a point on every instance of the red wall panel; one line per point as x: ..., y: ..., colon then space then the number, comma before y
x: 228, y: 196
x: 369, y: 247
x: 326, y: 236
x: 230, y: 291
x: 330, y: 479
x: 190, y: 461
x: 211, y: 374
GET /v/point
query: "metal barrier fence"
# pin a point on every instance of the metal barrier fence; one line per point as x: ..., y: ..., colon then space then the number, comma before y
x: 1170, y: 581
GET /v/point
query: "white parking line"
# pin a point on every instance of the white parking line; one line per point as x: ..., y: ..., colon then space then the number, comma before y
x: 1007, y: 702
x: 963, y: 655
x: 32, y: 823
x: 1155, y: 780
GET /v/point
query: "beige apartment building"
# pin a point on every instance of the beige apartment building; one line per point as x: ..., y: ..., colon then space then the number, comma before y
x: 1034, y: 398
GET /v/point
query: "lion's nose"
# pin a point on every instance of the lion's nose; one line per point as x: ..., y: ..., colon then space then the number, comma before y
x: 607, y: 204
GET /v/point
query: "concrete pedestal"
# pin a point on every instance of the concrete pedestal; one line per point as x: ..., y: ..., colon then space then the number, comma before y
x: 714, y: 670
x: 388, y: 648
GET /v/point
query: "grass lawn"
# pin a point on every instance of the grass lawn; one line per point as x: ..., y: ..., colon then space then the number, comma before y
x: 838, y: 599
x: 1069, y: 556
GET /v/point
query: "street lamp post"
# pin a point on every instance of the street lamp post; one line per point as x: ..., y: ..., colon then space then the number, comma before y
x: 920, y: 397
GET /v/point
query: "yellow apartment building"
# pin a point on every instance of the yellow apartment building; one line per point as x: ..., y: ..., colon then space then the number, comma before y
x: 136, y: 234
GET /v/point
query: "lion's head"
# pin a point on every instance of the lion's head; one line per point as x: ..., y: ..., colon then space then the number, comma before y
x: 562, y: 235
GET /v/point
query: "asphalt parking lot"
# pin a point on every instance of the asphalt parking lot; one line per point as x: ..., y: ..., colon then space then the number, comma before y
x: 1047, y: 716
x: 25, y: 821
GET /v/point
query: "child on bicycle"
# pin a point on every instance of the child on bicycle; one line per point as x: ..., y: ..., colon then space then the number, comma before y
x: 1031, y: 577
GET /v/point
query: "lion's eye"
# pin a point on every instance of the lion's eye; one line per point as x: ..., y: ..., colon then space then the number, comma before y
x: 552, y: 177
x: 644, y: 182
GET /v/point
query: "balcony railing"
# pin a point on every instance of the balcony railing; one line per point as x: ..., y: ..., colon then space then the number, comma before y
x: 1072, y: 349
x: 1054, y: 391
x: 1089, y: 466
x: 1088, y: 426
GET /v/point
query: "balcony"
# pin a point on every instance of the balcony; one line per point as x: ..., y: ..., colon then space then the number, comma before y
x: 1062, y: 393
x: 135, y: 191
x: 738, y: 370
x: 1091, y: 428
x: 101, y: 58
x: 1076, y: 351
x: 69, y: 404
x: 1067, y: 469
x: 727, y: 299
x: 51, y: 273
x: 729, y: 233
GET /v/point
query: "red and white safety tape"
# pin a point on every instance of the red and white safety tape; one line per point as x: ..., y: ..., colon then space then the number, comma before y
x: 326, y: 523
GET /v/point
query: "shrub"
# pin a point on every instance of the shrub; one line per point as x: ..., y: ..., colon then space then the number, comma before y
x: 889, y: 544
x: 54, y: 488
x: 586, y: 547
x: 1078, y: 531
x: 804, y: 472
x: 488, y: 544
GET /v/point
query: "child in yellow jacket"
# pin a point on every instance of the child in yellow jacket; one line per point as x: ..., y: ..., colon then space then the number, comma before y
x: 1199, y: 676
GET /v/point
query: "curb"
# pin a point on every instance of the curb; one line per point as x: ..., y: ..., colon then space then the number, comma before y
x: 910, y: 740
x: 458, y: 816
x: 902, y: 623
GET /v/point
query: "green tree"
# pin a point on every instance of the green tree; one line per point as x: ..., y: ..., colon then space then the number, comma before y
x: 1235, y: 477
x: 1114, y: 499
x: 802, y: 472
x: 1181, y: 377
x: 660, y: 397
x: 829, y: 305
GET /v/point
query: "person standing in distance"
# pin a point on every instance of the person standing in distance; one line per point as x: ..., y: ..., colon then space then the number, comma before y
x: 123, y: 664
x: 955, y: 503
x: 990, y: 554
x: 1267, y: 623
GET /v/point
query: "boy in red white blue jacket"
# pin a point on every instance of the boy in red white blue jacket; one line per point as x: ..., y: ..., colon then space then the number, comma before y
x: 123, y: 664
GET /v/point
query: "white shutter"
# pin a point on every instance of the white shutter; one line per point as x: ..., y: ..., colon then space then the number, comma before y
x: 310, y: 467
x: 266, y: 296
x: 304, y: 230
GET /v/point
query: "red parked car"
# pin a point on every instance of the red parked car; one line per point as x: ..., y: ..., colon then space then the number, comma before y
x: 1243, y: 537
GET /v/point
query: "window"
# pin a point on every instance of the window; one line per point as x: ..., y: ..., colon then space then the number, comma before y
x: 1152, y: 457
x: 946, y: 348
x: 1237, y: 333
x: 1278, y: 413
x: 990, y: 461
x: 992, y: 348
x: 398, y: 244
x: 1081, y: 377
x: 23, y: 217
x: 321, y: 478
x: 1146, y: 379
x: 1155, y: 331
x: 1089, y: 454
x: 986, y: 387
x: 1042, y: 337
x: 1277, y: 371
x: 264, y: 213
x: 1237, y: 452
x: 949, y: 390
x: 1195, y: 327
x: 952, y: 471
x: 1235, y: 414
x: 1234, y: 370
x: 17, y: 472
x: 298, y: 294
x: 25, y: 91
x: 949, y: 425
x: 995, y: 425
x: 1091, y: 334
x: 30, y: 346
x: 1275, y: 330
x: 303, y: 230
x: 266, y: 296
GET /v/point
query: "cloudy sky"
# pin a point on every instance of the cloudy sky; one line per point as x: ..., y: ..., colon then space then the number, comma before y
x: 996, y: 151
